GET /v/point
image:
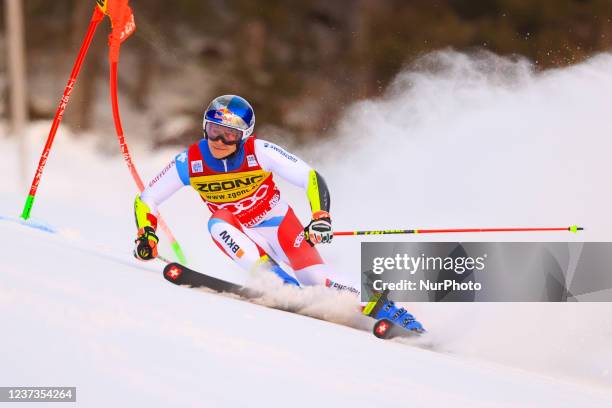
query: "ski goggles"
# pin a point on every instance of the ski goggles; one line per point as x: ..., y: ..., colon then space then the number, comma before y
x: 228, y: 135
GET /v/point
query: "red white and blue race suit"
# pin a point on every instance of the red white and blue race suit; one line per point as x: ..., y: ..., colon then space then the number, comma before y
x: 249, y: 218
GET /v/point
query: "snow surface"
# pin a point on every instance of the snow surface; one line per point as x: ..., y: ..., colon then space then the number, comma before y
x: 458, y: 141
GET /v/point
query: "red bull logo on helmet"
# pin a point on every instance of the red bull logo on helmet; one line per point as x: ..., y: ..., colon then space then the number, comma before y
x: 227, y: 117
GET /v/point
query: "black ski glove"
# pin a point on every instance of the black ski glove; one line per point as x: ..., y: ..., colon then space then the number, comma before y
x: 319, y: 231
x: 146, y: 244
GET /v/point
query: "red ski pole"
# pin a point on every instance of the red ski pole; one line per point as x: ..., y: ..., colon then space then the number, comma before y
x: 572, y: 228
x: 97, y: 16
x: 122, y: 19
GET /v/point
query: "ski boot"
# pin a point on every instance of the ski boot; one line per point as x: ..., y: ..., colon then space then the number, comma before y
x: 267, y: 263
x: 388, y: 315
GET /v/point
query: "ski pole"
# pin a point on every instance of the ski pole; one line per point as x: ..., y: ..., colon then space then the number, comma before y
x: 97, y: 16
x: 128, y: 160
x: 123, y: 26
x: 572, y: 228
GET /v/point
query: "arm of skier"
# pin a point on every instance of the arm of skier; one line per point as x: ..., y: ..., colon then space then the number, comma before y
x: 288, y: 166
x: 174, y: 176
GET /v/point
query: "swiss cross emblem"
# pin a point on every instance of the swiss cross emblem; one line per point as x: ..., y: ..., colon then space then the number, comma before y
x: 174, y: 273
x: 382, y: 328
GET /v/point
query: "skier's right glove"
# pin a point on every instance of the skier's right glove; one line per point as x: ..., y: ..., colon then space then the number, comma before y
x: 320, y: 229
x: 146, y: 244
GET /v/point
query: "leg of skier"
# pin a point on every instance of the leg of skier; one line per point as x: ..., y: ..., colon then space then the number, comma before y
x: 285, y: 235
x: 279, y: 237
x: 246, y: 250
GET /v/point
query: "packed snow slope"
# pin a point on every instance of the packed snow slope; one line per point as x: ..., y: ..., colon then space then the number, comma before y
x: 84, y: 317
x: 457, y: 141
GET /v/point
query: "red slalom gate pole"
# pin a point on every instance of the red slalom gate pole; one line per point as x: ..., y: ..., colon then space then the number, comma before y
x: 97, y: 16
x: 122, y: 19
x: 572, y: 228
x: 128, y: 160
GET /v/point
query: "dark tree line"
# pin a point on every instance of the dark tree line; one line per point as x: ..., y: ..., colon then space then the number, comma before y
x: 300, y: 62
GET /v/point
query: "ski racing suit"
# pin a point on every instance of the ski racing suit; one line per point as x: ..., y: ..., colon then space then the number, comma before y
x: 250, y: 221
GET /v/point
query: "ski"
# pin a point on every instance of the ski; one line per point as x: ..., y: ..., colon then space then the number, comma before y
x: 181, y: 275
x: 380, y: 308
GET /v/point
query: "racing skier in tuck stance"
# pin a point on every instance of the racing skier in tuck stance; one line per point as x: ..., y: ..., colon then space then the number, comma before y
x: 250, y: 222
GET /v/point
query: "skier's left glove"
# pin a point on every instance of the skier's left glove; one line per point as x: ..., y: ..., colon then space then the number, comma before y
x: 146, y: 244
x: 319, y: 231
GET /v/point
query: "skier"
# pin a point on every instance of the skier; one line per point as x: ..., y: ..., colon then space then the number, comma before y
x: 233, y: 172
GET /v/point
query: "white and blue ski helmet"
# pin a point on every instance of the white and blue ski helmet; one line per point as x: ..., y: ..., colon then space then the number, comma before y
x: 232, y: 111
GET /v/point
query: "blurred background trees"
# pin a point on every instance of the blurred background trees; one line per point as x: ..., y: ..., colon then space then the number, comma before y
x: 299, y: 62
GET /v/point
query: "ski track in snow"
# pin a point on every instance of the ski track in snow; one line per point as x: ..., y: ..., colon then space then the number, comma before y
x: 476, y: 140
